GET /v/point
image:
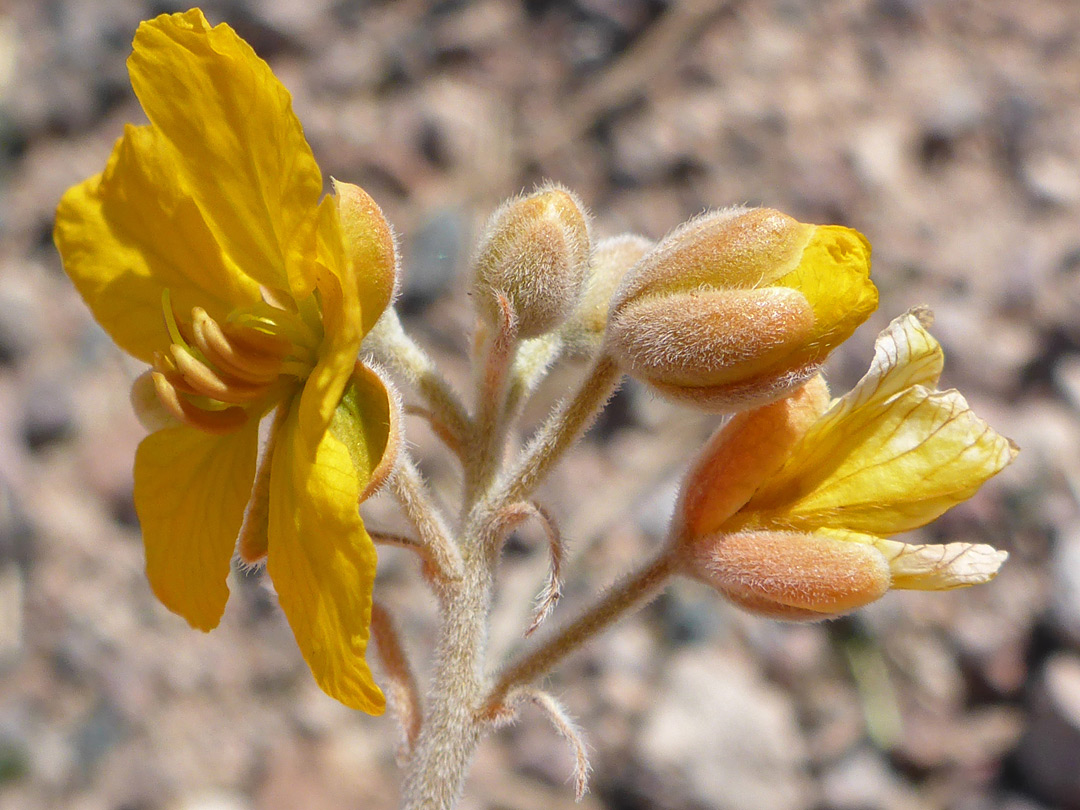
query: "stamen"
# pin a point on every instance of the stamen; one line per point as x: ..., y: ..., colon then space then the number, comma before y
x: 163, y: 364
x: 246, y: 335
x: 209, y: 383
x: 216, y: 422
x: 252, y: 367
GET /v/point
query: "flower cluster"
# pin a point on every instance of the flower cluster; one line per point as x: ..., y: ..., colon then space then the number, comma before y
x: 207, y: 249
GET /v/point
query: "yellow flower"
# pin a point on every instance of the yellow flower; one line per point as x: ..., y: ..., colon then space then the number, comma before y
x: 737, y: 308
x: 789, y: 509
x: 204, y: 250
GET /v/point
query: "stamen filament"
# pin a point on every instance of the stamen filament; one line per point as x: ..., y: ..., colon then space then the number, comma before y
x: 252, y: 367
x: 212, y: 384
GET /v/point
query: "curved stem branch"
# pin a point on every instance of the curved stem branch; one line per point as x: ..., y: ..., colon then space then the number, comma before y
x: 632, y: 593
x: 438, y: 549
x: 392, y: 346
x: 571, y: 418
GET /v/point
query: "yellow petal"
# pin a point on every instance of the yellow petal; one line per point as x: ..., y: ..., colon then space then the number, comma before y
x: 322, y: 561
x: 834, y: 275
x: 370, y: 249
x: 883, y: 462
x: 241, y: 152
x: 131, y: 232
x: 341, y: 319
x: 367, y: 421
x: 190, y: 492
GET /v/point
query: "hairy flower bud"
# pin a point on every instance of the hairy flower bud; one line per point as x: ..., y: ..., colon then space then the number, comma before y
x: 612, y: 258
x: 737, y: 307
x: 535, y: 251
x: 370, y: 246
x: 789, y: 509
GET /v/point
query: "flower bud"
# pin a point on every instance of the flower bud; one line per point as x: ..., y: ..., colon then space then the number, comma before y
x: 370, y: 247
x: 790, y: 575
x: 737, y: 307
x: 535, y: 251
x: 612, y: 258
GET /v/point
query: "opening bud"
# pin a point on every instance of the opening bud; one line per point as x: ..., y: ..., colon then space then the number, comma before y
x: 737, y: 307
x: 535, y: 251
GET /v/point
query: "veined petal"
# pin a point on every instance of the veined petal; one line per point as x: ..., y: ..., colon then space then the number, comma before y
x: 190, y: 492
x: 241, y: 152
x: 931, y: 567
x: 131, y: 232
x: 342, y: 324
x: 940, y: 567
x: 884, y: 462
x: 889, y: 468
x: 322, y: 561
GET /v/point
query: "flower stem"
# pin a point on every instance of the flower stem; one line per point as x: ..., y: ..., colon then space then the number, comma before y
x: 632, y: 593
x: 390, y: 344
x: 434, y: 543
x: 572, y: 417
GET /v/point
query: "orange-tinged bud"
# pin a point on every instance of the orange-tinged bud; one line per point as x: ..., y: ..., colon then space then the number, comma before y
x: 612, y: 258
x: 737, y: 307
x: 789, y: 575
x: 370, y: 247
x: 741, y: 455
x: 535, y: 251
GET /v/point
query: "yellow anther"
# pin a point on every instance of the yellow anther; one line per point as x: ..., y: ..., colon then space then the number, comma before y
x: 217, y: 422
x: 164, y: 365
x: 213, y: 384
x: 251, y: 367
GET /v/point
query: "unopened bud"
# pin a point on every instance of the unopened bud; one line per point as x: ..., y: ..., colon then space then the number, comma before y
x: 535, y: 251
x: 612, y: 258
x: 789, y: 575
x: 370, y: 247
x: 737, y: 307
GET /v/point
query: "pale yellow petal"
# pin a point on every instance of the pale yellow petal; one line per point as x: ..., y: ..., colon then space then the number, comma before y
x: 322, y: 561
x: 130, y: 233
x: 241, y: 151
x: 940, y: 567
x: 190, y: 492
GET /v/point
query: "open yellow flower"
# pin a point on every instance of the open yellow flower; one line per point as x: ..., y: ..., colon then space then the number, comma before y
x: 790, y: 508
x: 204, y: 250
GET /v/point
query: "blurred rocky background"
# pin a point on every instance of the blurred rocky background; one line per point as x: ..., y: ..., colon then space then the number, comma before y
x: 948, y: 131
